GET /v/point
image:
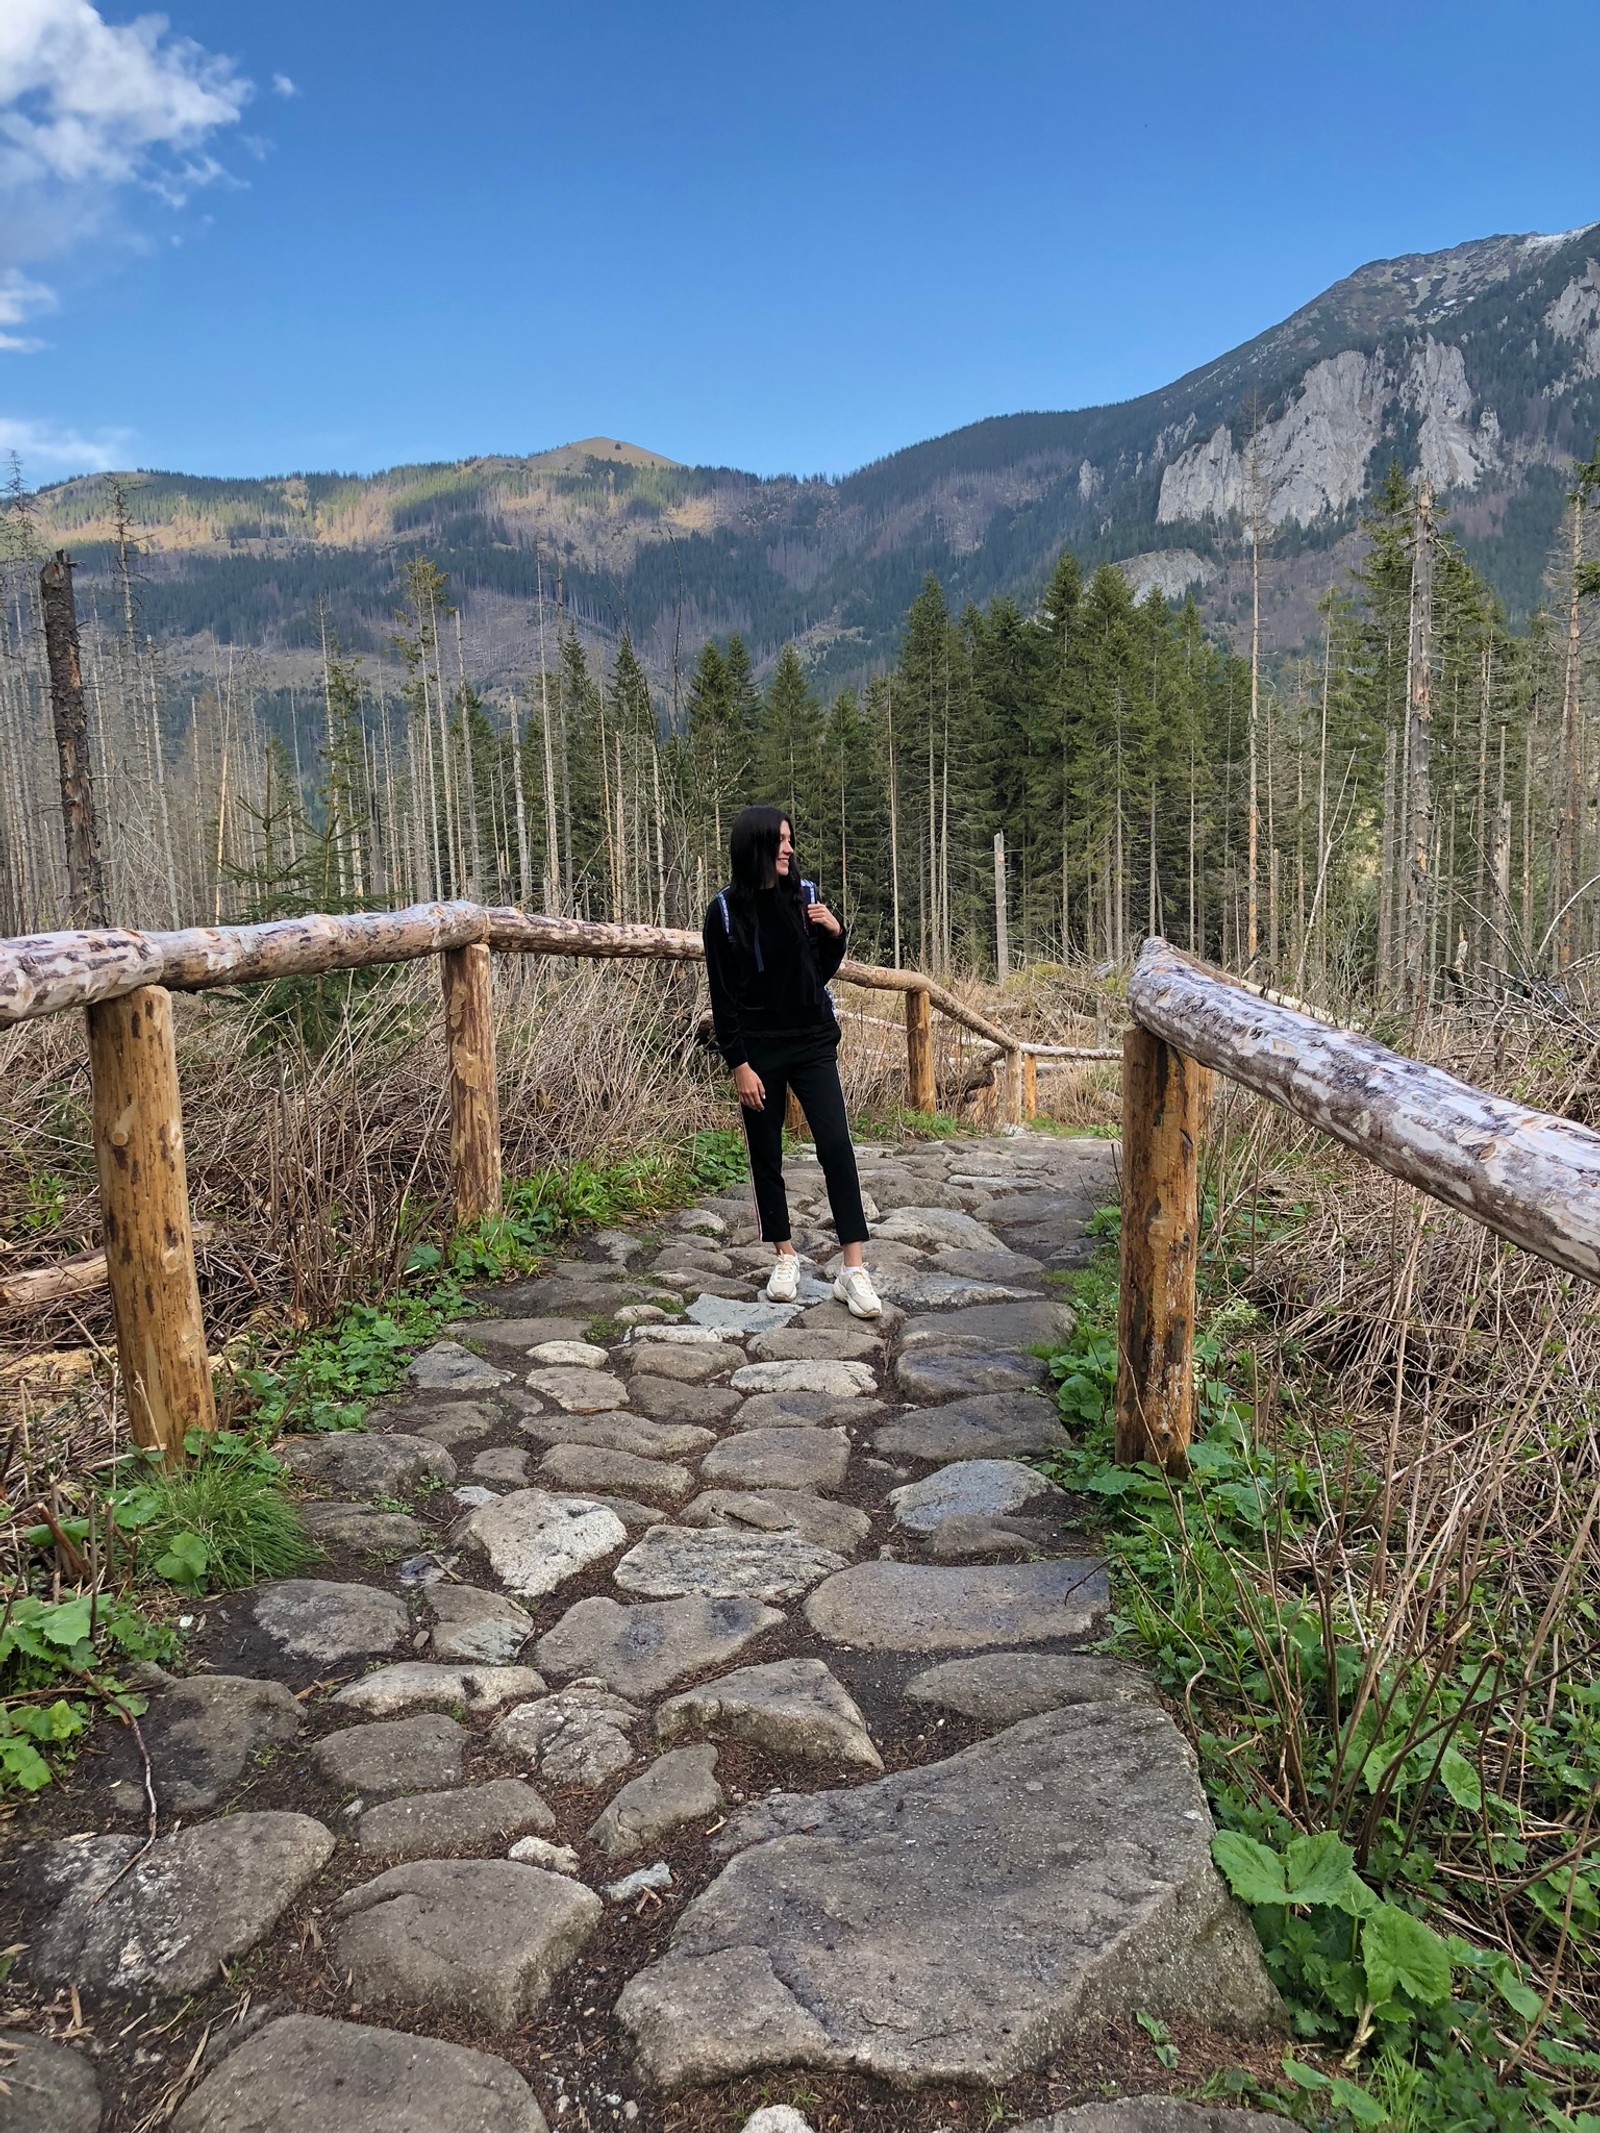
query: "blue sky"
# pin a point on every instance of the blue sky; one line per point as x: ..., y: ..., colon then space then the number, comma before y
x: 348, y: 234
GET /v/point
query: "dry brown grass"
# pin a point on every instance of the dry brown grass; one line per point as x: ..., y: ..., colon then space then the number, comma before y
x: 1450, y: 1388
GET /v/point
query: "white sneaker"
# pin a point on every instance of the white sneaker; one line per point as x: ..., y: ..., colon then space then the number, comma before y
x: 854, y: 1289
x: 783, y: 1283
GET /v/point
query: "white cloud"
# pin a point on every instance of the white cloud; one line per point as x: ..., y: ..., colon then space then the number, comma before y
x: 283, y: 86
x: 56, y: 448
x: 20, y: 297
x: 88, y: 107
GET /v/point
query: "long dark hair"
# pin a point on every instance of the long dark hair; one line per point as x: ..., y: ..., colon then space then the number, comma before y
x: 753, y: 855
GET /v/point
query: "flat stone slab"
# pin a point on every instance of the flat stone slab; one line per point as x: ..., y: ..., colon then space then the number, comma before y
x: 691, y: 1363
x: 1155, y: 2114
x: 576, y: 1355
x: 681, y: 1333
x: 579, y: 1736
x: 423, y: 1685
x: 534, y: 1541
x: 359, y: 1463
x: 310, y: 1619
x: 437, y: 1825
x: 506, y: 1464
x: 670, y: 1400
x: 924, y: 1289
x: 840, y: 1381
x: 454, y: 1422
x: 990, y: 1425
x: 393, y: 1755
x: 987, y: 1488
x: 794, y: 1707
x: 1038, y: 1323
x: 998, y: 1688
x: 838, y: 1527
x: 729, y: 1314
x: 622, y: 1433
x: 593, y: 1467
x: 830, y: 1316
x: 720, y: 1563
x: 49, y: 2087
x: 478, y: 1627
x: 302, y: 2074
x: 449, y: 1367
x: 361, y: 1528
x: 577, y: 1391
x: 779, y: 1459
x: 945, y: 1374
x: 201, y: 1735
x: 804, y: 1410
x: 934, y: 1228
x: 926, y: 1607
x: 644, y: 1650
x: 816, y: 1344
x: 192, y: 1902
x: 954, y: 1923
x: 520, y: 1333
x: 680, y: 1786
x: 485, y: 1938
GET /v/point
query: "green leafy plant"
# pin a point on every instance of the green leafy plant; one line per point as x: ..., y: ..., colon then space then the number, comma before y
x: 221, y: 1521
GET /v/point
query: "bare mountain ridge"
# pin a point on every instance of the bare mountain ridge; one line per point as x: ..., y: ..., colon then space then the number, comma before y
x: 1480, y: 364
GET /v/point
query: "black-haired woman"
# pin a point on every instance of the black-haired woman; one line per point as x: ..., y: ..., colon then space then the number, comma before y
x: 771, y: 948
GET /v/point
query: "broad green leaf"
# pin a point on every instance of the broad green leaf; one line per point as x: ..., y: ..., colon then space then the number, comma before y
x: 1304, y: 2077
x: 22, y: 1765
x: 67, y: 1623
x: 1317, y: 1869
x: 1401, y: 1954
x: 1254, y: 1873
x: 1364, y: 2109
x: 1460, y: 1778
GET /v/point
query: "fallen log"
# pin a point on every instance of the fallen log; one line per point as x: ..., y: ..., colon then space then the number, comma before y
x: 36, y: 1286
x: 1530, y: 1177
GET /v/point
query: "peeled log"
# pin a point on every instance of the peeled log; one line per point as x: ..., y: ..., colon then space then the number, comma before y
x: 1163, y: 1099
x: 43, y: 973
x: 1531, y: 1178
x: 144, y: 1209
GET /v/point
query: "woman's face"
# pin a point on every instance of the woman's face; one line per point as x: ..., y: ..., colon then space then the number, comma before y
x: 785, y: 851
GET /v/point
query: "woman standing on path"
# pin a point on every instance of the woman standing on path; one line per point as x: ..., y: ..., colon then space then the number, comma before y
x: 770, y: 950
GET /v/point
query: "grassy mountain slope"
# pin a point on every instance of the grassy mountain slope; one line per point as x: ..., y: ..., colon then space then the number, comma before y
x: 1480, y: 364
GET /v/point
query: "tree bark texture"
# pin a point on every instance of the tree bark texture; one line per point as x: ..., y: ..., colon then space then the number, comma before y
x: 86, y: 872
x: 474, y: 1097
x: 144, y: 1210
x: 921, y: 1090
x: 1531, y: 1178
x: 1162, y: 1104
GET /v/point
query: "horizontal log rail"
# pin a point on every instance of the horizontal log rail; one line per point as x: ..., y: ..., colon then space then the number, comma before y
x: 123, y: 980
x: 1530, y: 1177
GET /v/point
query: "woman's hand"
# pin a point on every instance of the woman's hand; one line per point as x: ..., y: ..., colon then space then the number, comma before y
x: 750, y: 1089
x: 820, y: 915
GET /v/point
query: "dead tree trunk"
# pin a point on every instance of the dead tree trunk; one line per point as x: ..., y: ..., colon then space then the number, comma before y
x: 86, y: 873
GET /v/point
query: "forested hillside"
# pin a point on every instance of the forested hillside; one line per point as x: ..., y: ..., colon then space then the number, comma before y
x: 1413, y: 799
x: 1479, y: 366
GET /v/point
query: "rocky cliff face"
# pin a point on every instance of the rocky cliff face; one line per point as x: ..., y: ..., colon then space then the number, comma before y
x: 1479, y: 366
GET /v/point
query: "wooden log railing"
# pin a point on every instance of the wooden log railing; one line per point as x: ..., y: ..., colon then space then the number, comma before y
x: 124, y: 981
x: 1532, y: 1178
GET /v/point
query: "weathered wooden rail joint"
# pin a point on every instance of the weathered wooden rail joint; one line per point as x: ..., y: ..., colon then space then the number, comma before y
x: 1163, y: 1097
x: 1532, y: 1178
x: 474, y: 1097
x: 144, y: 1209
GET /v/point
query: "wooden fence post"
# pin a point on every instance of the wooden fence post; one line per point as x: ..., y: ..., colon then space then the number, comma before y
x: 474, y: 1098
x: 921, y: 1092
x: 793, y: 1117
x: 144, y: 1212
x: 1030, y: 1086
x: 1013, y: 1088
x: 1163, y: 1092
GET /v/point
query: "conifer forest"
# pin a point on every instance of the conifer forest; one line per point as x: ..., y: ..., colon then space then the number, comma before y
x: 1408, y: 805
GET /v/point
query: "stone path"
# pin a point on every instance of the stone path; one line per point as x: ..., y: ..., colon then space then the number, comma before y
x: 694, y: 1688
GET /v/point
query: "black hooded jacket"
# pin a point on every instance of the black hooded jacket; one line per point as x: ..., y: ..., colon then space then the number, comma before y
x: 768, y: 970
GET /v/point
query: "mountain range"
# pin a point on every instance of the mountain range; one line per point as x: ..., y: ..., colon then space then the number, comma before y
x: 1479, y: 365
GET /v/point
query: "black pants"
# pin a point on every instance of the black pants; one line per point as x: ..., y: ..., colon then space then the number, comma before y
x: 809, y: 1066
